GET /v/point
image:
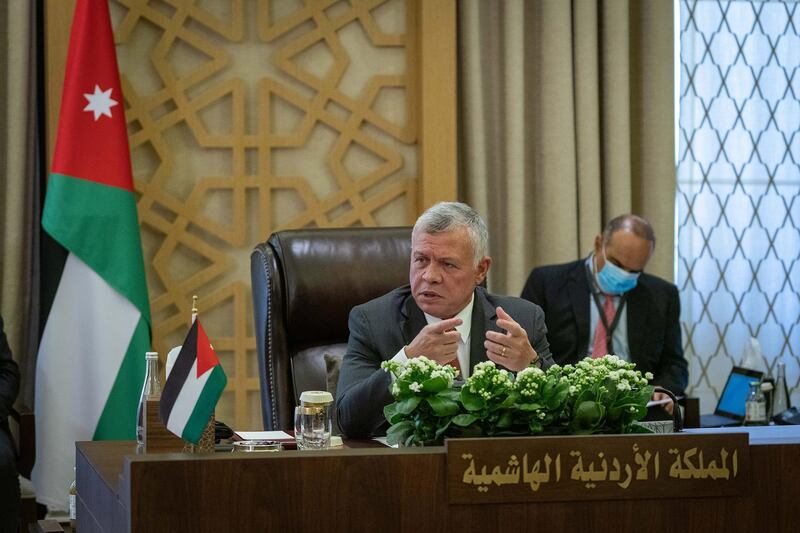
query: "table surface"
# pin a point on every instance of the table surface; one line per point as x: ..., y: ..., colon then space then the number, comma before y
x: 759, y: 435
x: 107, y: 455
x: 367, y: 483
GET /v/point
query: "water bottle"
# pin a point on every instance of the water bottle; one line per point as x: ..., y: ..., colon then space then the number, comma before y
x: 780, y: 398
x: 151, y: 390
x: 73, y: 500
x: 756, y: 406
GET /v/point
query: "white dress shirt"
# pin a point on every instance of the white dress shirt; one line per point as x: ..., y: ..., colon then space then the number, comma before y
x: 464, y: 331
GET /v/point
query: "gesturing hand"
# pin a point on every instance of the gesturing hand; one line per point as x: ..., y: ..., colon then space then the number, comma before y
x: 438, y: 342
x: 512, y: 348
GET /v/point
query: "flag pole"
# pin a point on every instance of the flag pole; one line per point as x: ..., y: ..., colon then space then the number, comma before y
x: 190, y: 446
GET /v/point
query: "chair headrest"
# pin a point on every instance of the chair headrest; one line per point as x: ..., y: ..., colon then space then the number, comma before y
x: 326, y: 272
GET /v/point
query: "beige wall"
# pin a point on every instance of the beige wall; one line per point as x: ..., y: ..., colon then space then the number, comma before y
x: 251, y: 117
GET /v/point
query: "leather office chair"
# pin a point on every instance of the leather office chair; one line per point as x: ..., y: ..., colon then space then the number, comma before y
x: 305, y: 282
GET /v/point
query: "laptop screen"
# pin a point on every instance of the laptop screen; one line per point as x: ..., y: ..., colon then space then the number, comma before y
x: 734, y: 396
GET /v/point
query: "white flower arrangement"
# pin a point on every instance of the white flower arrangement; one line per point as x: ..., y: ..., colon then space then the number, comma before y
x: 603, y: 395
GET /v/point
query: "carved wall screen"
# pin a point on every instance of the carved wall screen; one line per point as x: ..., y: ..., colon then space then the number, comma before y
x: 250, y: 117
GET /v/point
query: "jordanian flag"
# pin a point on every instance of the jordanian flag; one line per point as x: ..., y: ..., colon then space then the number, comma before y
x: 90, y: 366
x: 193, y: 387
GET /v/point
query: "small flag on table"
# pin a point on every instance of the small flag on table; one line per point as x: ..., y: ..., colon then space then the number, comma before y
x: 193, y: 387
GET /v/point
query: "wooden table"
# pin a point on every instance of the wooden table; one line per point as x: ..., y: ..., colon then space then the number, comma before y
x: 382, y: 489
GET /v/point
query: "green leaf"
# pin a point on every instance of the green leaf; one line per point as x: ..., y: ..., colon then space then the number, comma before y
x: 392, y: 415
x: 588, y: 415
x: 450, y: 394
x: 434, y: 384
x: 636, y: 428
x: 557, y: 396
x: 505, y: 420
x: 402, y: 387
x: 535, y: 428
x: 442, y: 406
x: 584, y: 395
x: 398, y: 433
x: 509, y: 401
x: 441, y: 430
x: 390, y: 411
x: 471, y: 401
x: 407, y: 405
x: 464, y: 419
x: 529, y: 406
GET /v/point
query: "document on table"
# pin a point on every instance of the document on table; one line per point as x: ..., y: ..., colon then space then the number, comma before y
x: 383, y: 441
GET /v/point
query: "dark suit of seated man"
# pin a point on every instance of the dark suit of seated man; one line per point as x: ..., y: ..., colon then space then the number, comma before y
x: 577, y: 300
x: 9, y: 480
x: 443, y: 314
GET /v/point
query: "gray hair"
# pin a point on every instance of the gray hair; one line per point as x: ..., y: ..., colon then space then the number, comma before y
x: 449, y: 216
x: 637, y: 225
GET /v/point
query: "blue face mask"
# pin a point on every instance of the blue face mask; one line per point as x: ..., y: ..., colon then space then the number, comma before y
x: 615, y: 280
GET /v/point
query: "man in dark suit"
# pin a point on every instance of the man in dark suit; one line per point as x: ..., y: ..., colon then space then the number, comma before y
x: 443, y: 314
x: 9, y: 479
x: 605, y: 304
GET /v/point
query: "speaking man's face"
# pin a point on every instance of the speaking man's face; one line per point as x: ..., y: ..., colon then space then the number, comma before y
x: 443, y: 272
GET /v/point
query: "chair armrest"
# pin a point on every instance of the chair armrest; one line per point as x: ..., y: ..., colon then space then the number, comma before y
x: 691, y: 411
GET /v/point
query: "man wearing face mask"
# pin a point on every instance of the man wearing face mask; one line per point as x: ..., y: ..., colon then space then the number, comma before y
x: 605, y: 304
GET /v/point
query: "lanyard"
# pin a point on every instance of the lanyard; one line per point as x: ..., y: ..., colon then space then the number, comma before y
x: 596, y: 297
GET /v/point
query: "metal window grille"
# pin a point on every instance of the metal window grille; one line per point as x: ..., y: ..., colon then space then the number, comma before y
x: 738, y: 195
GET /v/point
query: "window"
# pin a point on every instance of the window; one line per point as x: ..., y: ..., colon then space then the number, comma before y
x: 738, y: 196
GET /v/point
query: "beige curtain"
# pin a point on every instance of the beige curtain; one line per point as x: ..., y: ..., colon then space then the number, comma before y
x: 18, y: 176
x: 566, y: 120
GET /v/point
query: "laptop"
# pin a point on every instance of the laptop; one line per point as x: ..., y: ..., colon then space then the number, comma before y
x: 731, y: 405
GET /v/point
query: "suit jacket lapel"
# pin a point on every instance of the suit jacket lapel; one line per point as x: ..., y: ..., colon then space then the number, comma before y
x: 484, y: 318
x: 579, y: 295
x: 413, y: 320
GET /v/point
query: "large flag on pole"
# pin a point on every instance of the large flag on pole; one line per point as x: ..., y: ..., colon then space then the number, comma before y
x: 91, y: 358
x: 193, y: 387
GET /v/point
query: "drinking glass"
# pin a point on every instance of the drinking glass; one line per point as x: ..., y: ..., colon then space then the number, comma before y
x: 298, y: 426
x: 312, y: 428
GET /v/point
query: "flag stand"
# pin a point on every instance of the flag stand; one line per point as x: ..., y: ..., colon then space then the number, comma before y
x: 206, y: 444
x: 158, y: 439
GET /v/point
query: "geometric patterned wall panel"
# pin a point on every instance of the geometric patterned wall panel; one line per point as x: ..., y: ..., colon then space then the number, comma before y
x: 738, y: 199
x: 249, y: 117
